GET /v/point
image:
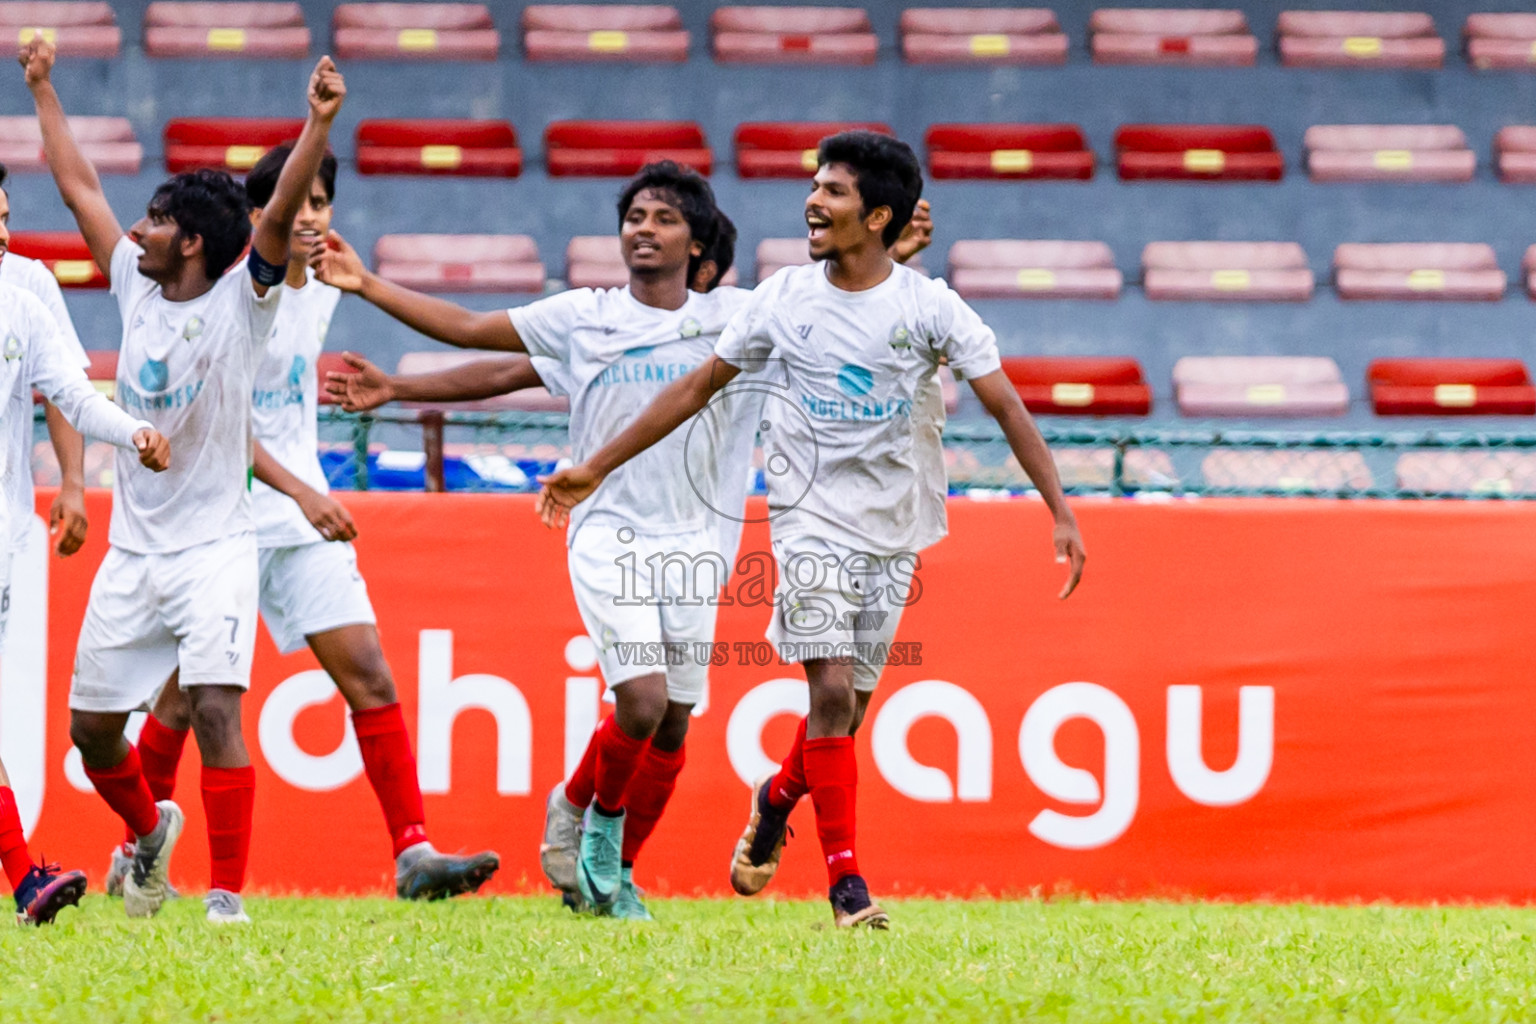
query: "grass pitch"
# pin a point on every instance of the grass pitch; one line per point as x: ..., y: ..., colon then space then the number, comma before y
x: 526, y: 959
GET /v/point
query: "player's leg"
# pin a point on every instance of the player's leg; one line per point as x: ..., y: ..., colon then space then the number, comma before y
x: 41, y: 890
x: 646, y: 799
x: 161, y: 742
x: 229, y: 792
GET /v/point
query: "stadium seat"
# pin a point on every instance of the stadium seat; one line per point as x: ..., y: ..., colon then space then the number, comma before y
x: 1359, y: 39
x: 1015, y: 269
x: 1473, y: 473
x: 787, y: 149
x: 1157, y: 36
x: 103, y: 370
x: 595, y: 261
x: 527, y: 400
x: 479, y: 149
x: 78, y: 28
x: 982, y: 35
x: 108, y: 142
x: 1449, y: 387
x: 1226, y: 271
x: 1388, y: 152
x: 620, y: 148
x: 1501, y: 42
x: 460, y: 263
x: 1008, y: 151
x: 325, y: 364
x: 1192, y: 152
x: 1528, y: 271
x: 64, y: 252
x: 1080, y: 385
x: 1290, y: 471
x: 414, y: 31
x: 1514, y: 149
x: 793, y: 35
x: 597, y: 32
x: 1259, y: 386
x: 188, y: 28
x: 1463, y: 271
x: 230, y: 143
x: 774, y: 254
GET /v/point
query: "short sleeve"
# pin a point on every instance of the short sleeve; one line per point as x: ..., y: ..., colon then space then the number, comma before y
x: 554, y: 375
x: 962, y: 337
x: 747, y: 341
x: 260, y: 311
x: 128, y: 285
x: 546, y: 325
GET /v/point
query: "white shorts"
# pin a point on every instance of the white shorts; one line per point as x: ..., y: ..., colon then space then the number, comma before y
x: 618, y: 598
x: 833, y: 602
x: 311, y: 588
x: 151, y: 614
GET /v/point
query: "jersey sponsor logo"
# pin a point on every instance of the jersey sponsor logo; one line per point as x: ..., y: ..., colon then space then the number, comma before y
x: 154, y: 375
x: 641, y: 373
x: 635, y: 353
x: 296, y: 372
x: 177, y: 398
x: 854, y: 380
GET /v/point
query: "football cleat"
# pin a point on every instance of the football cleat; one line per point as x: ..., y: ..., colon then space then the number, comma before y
x: 146, y: 887
x: 599, y: 866
x: 852, y: 907
x: 562, y: 839
x: 627, y: 906
x: 761, y: 844
x: 225, y: 907
x: 429, y: 875
x: 45, y: 891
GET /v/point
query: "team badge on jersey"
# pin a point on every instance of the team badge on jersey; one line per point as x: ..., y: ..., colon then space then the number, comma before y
x: 901, y: 338
x: 12, y: 347
x: 193, y: 329
x: 690, y: 328
x: 154, y: 375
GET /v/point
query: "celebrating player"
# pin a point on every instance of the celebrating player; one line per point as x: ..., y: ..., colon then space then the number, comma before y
x: 311, y: 592
x: 175, y: 599
x: 861, y: 491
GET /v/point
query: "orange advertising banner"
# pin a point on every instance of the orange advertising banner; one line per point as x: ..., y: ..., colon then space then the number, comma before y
x: 1246, y: 699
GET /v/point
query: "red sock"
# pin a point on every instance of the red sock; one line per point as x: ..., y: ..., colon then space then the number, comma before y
x: 789, y: 784
x: 391, y: 769
x: 618, y: 755
x: 160, y: 749
x: 648, y: 794
x: 834, y: 777
x: 13, y: 845
x: 228, y: 797
x: 126, y: 791
x: 582, y: 785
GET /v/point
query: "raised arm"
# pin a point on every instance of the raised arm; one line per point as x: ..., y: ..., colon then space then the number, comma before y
x: 685, y: 397
x: 370, y: 387
x: 72, y: 172
x: 338, y: 264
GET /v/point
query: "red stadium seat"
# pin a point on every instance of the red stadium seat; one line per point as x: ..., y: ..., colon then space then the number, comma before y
x: 460, y: 263
x: 189, y: 28
x: 982, y: 35
x: 1008, y: 151
x: 415, y: 31
x: 108, y: 142
x: 1191, y: 152
x: 1501, y: 42
x: 1360, y: 39
x: 1080, y: 385
x: 64, y: 252
x: 1259, y: 386
x: 327, y: 363
x: 1226, y: 271
x: 1514, y: 149
x: 1294, y: 471
x: 622, y: 32
x: 1389, y: 152
x: 1451, y: 387
x: 479, y: 149
x: 620, y: 148
x: 793, y: 35
x: 787, y: 149
x: 1453, y: 271
x: 527, y: 400
x: 230, y: 143
x: 79, y: 28
x: 1157, y: 36
x: 1015, y: 269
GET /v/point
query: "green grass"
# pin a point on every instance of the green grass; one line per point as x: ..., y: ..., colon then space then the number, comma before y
x: 526, y: 959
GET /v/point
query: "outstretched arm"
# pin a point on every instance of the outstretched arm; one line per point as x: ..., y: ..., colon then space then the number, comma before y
x: 327, y: 515
x: 78, y: 184
x: 370, y: 387
x: 338, y: 264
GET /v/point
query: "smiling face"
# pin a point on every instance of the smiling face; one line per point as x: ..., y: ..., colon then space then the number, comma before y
x: 311, y: 225
x: 166, y: 249
x: 655, y: 237
x: 835, y: 216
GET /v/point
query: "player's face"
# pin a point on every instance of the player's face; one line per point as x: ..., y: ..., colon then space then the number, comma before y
x: 312, y: 224
x: 655, y: 237
x: 834, y: 213
x: 157, y: 234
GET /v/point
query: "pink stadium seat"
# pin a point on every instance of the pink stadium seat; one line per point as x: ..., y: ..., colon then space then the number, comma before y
x: 1479, y: 473
x: 79, y: 28
x: 415, y: 31
x: 793, y: 35
x: 527, y: 400
x: 1296, y: 470
x: 480, y: 149
x: 620, y: 148
x: 620, y: 32
x: 982, y: 35
x: 1388, y: 152
x: 1157, y: 36
x: 774, y: 254
x: 1008, y: 151
x: 595, y: 261
x: 108, y: 142
x: 1450, y: 387
x: 460, y: 263
x: 1080, y: 385
x: 787, y: 149
x: 1501, y: 42
x: 1333, y: 39
x: 64, y: 252
x: 1454, y: 271
x: 1528, y: 270
x: 196, y: 28
x: 230, y: 143
x: 1192, y: 152
x: 1514, y: 148
x: 1259, y: 386
x: 1227, y: 271
x: 1015, y: 269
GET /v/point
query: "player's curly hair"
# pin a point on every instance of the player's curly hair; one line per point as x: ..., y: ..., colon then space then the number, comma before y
x: 887, y: 171
x: 684, y: 188
x: 261, y: 179
x: 212, y: 206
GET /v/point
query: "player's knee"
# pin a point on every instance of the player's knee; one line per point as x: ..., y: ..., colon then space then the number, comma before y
x: 832, y: 703
x: 99, y: 747
x: 641, y: 704
x: 369, y: 685
x: 216, y: 720
x: 673, y: 729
